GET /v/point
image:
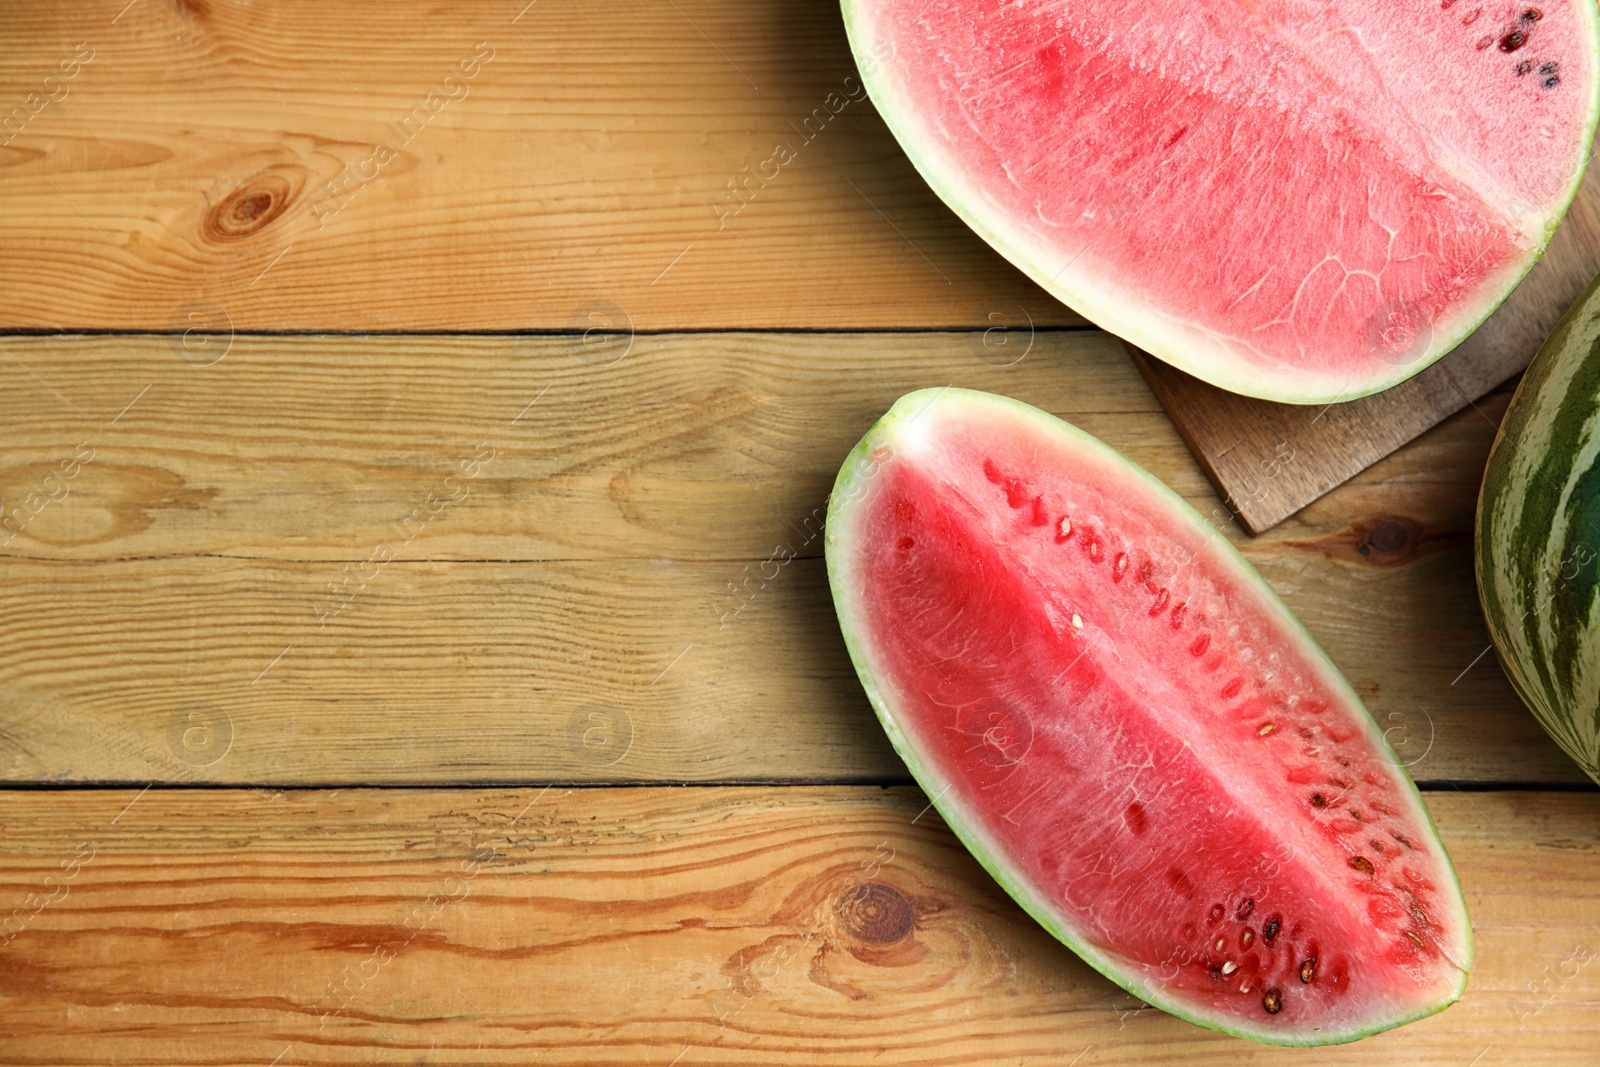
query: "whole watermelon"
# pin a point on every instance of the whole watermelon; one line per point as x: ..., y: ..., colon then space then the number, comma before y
x: 1538, y: 535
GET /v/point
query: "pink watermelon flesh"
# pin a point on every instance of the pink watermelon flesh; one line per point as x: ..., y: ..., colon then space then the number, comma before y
x: 1132, y: 733
x: 1299, y: 201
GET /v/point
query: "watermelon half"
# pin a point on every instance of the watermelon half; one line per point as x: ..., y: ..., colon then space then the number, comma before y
x: 1306, y: 202
x: 1538, y: 535
x: 1132, y: 733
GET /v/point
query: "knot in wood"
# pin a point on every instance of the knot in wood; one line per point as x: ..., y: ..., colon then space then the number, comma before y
x: 250, y: 208
x: 876, y: 914
x: 1388, y: 539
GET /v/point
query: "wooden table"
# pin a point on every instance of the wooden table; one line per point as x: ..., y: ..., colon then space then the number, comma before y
x: 413, y: 667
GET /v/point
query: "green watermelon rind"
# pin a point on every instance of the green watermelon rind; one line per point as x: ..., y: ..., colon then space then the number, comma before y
x: 1546, y: 450
x: 1127, y: 318
x: 848, y: 488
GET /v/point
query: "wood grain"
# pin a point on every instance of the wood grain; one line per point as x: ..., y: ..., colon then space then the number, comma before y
x: 635, y: 926
x: 681, y: 446
x: 603, y: 164
x: 1238, y: 439
x: 307, y: 560
x: 245, y: 582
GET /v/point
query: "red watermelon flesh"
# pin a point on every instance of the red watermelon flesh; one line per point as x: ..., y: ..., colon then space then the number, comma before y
x: 1132, y: 733
x: 1299, y: 201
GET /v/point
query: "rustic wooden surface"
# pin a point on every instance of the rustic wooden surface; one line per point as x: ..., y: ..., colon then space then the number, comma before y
x: 579, y: 178
x: 1235, y: 437
x: 619, y: 556
x: 271, y: 568
x: 652, y: 926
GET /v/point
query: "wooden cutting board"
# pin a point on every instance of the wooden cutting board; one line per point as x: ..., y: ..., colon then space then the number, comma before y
x: 1270, y: 460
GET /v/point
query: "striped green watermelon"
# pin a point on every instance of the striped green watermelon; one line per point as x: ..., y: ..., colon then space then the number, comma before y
x: 1132, y: 733
x: 1538, y: 535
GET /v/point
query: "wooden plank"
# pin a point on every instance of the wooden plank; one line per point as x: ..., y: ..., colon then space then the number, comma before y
x: 563, y: 165
x: 651, y: 926
x: 621, y: 555
x: 1237, y: 439
x: 207, y: 670
x: 676, y: 446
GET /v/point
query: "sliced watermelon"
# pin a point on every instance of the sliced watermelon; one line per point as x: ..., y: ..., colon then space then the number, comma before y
x: 1132, y: 733
x: 1300, y: 201
x: 1538, y: 535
